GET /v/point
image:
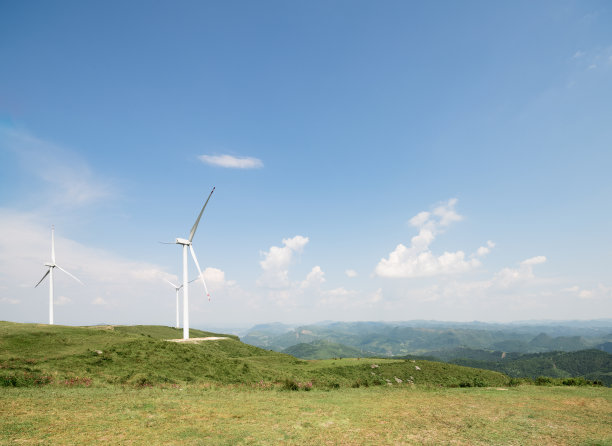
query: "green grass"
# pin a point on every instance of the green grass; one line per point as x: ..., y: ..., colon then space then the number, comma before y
x: 40, y: 354
x: 240, y: 415
x: 129, y: 385
x: 323, y: 350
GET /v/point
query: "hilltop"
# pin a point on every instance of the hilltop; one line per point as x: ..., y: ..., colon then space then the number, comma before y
x: 141, y: 355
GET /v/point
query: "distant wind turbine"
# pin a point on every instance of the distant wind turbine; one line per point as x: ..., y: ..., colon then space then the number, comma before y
x: 187, y: 243
x: 177, y: 288
x: 49, y: 273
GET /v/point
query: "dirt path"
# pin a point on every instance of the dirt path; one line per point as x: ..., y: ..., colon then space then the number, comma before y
x: 195, y: 340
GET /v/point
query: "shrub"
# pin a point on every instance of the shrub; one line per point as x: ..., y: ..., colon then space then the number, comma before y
x: 25, y: 380
x: 475, y: 382
x: 543, y: 381
x: 290, y: 384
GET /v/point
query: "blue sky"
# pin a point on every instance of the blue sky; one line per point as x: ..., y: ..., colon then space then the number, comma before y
x: 372, y: 160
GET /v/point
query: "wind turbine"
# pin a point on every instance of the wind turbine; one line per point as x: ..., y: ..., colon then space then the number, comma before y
x: 187, y: 243
x: 177, y: 288
x: 49, y: 273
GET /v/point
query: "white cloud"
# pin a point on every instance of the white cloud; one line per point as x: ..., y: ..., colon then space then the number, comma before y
x: 447, y: 213
x: 420, y: 219
x: 518, y: 288
x: 70, y: 181
x: 510, y: 276
x: 62, y: 300
x: 350, y: 273
x: 418, y: 260
x: 578, y: 54
x: 315, y: 278
x: 218, y: 284
x: 377, y: 296
x: 484, y: 250
x: 216, y: 277
x: 99, y: 301
x: 277, y: 260
x: 336, y: 297
x: 534, y: 260
x: 231, y: 162
x: 599, y: 292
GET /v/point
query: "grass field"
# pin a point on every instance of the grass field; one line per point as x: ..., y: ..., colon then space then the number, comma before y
x: 141, y: 355
x: 229, y: 415
x: 129, y: 385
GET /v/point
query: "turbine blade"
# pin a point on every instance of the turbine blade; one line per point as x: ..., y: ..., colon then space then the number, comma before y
x: 59, y: 267
x: 167, y: 243
x: 43, y: 277
x: 199, y: 270
x: 171, y: 283
x: 52, y: 244
x: 195, y: 225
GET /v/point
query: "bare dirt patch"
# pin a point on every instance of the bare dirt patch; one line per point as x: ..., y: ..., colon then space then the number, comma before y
x: 196, y: 340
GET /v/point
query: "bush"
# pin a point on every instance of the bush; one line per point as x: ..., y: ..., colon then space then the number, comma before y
x: 290, y: 384
x: 544, y: 381
x: 475, y: 382
x: 141, y: 380
x: 25, y: 380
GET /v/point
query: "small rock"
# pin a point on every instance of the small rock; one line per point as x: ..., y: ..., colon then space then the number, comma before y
x: 416, y: 367
x: 99, y: 352
x: 397, y: 380
x: 374, y: 366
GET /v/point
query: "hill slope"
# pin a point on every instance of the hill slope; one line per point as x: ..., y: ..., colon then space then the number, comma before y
x: 323, y: 350
x: 590, y: 364
x: 31, y: 354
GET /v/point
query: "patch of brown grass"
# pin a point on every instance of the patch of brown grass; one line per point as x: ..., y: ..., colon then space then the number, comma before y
x: 382, y: 415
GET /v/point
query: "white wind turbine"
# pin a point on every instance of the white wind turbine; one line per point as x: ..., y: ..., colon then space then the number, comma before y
x: 49, y: 273
x: 177, y: 289
x: 187, y: 243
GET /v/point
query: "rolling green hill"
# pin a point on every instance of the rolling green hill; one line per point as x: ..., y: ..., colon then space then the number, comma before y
x: 595, y: 365
x: 34, y: 354
x: 323, y: 350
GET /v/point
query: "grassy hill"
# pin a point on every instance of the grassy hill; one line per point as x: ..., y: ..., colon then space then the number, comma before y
x: 118, y: 385
x: 589, y: 364
x: 323, y: 350
x: 32, y: 354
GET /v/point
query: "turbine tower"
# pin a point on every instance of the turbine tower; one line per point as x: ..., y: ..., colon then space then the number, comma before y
x: 187, y: 243
x: 177, y: 288
x: 49, y: 273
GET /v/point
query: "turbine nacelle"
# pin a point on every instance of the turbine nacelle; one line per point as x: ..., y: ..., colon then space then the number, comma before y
x: 50, y: 265
x: 182, y: 241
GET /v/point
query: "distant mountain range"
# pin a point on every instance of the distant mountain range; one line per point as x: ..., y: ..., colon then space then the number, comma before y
x: 422, y: 337
x: 562, y: 349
